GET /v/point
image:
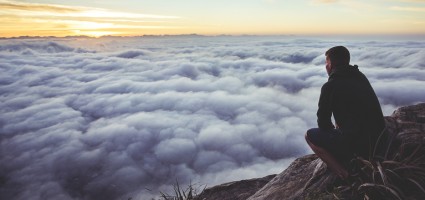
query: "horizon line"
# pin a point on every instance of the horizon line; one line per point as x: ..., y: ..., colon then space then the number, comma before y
x: 221, y: 35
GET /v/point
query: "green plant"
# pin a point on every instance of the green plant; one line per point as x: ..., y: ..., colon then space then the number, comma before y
x: 183, y: 194
x: 398, y: 175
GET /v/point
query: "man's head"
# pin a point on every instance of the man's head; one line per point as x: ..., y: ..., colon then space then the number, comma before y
x: 336, y: 56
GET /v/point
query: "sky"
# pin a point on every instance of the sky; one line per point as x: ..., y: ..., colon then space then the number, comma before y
x: 210, y: 17
x: 117, y: 118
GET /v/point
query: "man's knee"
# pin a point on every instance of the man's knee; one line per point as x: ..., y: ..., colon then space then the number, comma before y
x: 307, y: 137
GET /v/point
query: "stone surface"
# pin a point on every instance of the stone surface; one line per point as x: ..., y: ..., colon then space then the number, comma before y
x: 308, y: 177
x: 305, y: 177
x: 238, y: 190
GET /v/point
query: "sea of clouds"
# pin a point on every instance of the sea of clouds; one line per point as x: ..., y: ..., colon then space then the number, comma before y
x: 114, y: 118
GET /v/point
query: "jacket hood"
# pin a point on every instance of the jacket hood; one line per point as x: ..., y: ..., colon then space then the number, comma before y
x: 345, y: 71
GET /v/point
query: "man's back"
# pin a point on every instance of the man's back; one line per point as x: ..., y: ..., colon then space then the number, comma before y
x: 350, y: 98
x: 355, y: 107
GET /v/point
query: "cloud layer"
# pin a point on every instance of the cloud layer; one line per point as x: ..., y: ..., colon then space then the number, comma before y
x: 114, y: 118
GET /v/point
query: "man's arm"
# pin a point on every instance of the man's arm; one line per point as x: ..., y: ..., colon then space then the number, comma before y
x: 324, y: 113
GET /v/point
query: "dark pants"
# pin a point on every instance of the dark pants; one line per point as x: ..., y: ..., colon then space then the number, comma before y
x: 333, y: 141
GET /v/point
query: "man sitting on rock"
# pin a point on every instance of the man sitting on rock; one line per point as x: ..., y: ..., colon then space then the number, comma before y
x: 349, y: 97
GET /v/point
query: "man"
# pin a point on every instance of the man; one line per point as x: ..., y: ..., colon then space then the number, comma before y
x: 350, y: 98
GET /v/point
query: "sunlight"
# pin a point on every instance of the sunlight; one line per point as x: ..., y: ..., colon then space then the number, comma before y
x: 88, y: 25
x: 101, y: 13
x: 92, y: 29
x: 58, y: 20
x: 274, y: 18
x: 95, y: 33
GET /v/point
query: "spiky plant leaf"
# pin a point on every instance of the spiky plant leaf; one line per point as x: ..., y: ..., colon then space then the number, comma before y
x: 391, y: 163
x: 392, y: 173
x: 382, y: 187
x: 381, y: 172
x: 366, y: 163
x: 417, y: 184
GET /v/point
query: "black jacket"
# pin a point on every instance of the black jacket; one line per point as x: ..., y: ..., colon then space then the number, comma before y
x: 350, y: 98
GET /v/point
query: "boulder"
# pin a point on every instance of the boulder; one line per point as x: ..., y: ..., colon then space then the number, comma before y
x: 238, y: 190
x: 309, y: 178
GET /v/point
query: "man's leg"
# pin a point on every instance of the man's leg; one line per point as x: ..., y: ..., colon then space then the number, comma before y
x: 329, y: 159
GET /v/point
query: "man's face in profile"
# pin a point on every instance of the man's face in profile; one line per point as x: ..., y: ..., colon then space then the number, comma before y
x: 328, y: 65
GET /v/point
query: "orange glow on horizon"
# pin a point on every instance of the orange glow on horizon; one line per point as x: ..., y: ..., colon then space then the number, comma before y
x: 27, y: 19
x: 308, y: 18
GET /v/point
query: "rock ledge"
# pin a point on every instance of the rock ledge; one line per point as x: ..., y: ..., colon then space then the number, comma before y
x: 308, y: 177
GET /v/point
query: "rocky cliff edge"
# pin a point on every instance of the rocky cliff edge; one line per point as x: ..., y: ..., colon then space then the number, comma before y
x: 309, y: 178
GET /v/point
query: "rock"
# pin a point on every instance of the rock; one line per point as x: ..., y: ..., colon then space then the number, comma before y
x: 306, y: 175
x: 309, y: 178
x: 238, y: 190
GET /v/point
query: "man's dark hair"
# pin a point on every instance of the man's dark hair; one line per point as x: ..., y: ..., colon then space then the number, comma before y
x: 338, y: 55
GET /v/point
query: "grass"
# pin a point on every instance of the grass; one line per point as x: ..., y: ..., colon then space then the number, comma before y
x: 399, y: 175
x: 183, y: 194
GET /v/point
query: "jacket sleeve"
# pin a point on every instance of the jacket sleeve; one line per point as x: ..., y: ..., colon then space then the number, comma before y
x: 324, y: 113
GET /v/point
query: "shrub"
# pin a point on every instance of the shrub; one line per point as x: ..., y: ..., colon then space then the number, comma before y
x: 399, y: 175
x: 183, y: 194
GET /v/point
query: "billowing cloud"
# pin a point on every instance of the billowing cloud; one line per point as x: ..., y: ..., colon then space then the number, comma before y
x: 113, y: 118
